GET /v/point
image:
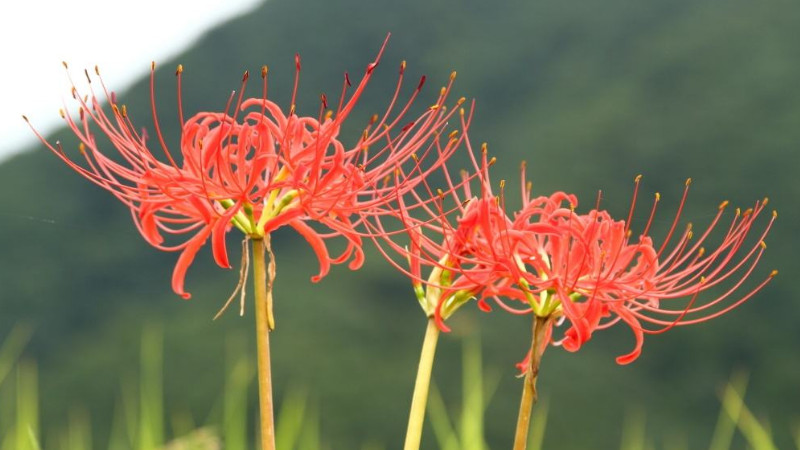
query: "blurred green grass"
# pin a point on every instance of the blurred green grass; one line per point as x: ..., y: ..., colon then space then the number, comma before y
x: 141, y: 424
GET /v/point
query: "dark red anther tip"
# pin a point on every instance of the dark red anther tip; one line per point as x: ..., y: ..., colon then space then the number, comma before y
x: 421, y: 82
x: 407, y: 127
x: 347, y: 79
x: 324, y: 99
x: 297, y: 60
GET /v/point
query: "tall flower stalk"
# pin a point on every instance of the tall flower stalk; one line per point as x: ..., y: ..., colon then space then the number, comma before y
x: 257, y: 167
x: 264, y: 276
x: 529, y: 393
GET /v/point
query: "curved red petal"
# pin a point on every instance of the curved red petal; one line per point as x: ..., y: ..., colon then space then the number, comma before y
x: 191, y: 248
x: 317, y: 244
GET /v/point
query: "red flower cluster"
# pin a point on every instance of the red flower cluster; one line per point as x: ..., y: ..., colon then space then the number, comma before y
x: 446, y: 241
x: 594, y: 273
x: 258, y: 168
x: 255, y: 167
x: 586, y: 270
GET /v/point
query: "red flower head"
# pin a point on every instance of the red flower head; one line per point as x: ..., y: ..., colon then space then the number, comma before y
x: 256, y: 167
x: 447, y: 238
x: 590, y: 272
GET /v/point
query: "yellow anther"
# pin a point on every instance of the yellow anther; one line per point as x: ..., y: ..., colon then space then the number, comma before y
x: 64, y: 63
x: 453, y: 76
x: 415, y: 157
x: 328, y: 114
x: 97, y: 70
x: 688, y: 181
x: 82, y: 148
x: 291, y: 109
x: 60, y: 113
x: 774, y: 213
x: 763, y: 245
x: 638, y: 178
x: 484, y: 148
x: 124, y: 111
x: 529, y: 186
x: 152, y: 65
x: 628, y: 234
x: 440, y: 193
x: 738, y: 211
x: 689, y: 235
x: 179, y: 70
x: 403, y: 65
x: 115, y: 109
x: 658, y: 196
x: 747, y: 212
x: 434, y: 107
x: 492, y: 161
x: 766, y: 200
x: 773, y: 273
x: 502, y: 184
x: 264, y: 71
x: 453, y: 134
x: 461, y: 101
x: 461, y: 112
x: 723, y: 205
x: 702, y: 280
x: 701, y: 252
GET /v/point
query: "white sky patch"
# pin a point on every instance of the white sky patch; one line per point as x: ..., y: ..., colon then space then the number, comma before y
x: 121, y: 37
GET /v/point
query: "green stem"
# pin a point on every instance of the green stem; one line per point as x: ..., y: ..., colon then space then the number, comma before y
x: 529, y: 393
x: 420, y: 399
x: 263, y: 302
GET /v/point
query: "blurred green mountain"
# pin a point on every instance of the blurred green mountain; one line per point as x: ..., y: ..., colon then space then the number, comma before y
x: 589, y: 93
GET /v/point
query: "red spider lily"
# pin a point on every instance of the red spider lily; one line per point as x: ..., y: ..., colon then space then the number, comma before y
x: 418, y: 230
x: 257, y: 168
x: 448, y: 238
x: 592, y: 274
